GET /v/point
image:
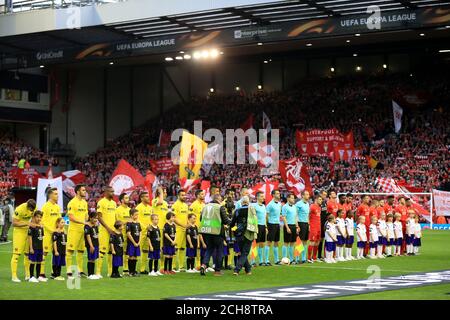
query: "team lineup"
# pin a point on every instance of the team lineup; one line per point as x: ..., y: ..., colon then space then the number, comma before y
x: 154, y: 239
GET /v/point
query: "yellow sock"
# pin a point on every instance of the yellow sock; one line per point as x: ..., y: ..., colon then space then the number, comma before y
x: 100, y: 264
x: 109, y: 263
x: 26, y: 263
x: 144, y: 261
x: 231, y: 257
x: 43, y: 264
x: 14, y: 263
x: 125, y: 263
x: 80, y: 261
x: 69, y: 261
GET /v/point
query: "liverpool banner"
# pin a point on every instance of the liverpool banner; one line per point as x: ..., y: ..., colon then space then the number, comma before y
x: 295, y: 175
x: 318, y: 142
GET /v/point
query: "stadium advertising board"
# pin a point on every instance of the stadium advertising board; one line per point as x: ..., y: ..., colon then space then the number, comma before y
x: 330, y: 26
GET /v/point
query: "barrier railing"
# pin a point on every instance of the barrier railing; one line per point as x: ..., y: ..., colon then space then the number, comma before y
x: 11, y: 6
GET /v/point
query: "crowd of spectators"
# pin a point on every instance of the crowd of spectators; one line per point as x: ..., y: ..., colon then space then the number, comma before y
x: 419, y: 154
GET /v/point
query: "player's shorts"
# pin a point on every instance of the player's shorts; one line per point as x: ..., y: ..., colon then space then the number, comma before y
x: 226, y: 252
x: 350, y: 240
x: 155, y: 254
x: 330, y: 246
x: 47, y: 243
x: 399, y: 241
x: 340, y: 240
x: 261, y: 234
x: 20, y: 240
x: 417, y: 242
x: 93, y: 256
x: 361, y: 244
x: 117, y: 261
x: 37, y: 256
x: 180, y: 239
x: 409, y: 239
x: 391, y: 242
x: 373, y: 245
x: 133, y: 251
x: 191, y: 252
x: 273, y: 232
x: 304, y: 231
x: 143, y: 242
x: 169, y: 250
x: 75, y: 240
x: 290, y: 237
x: 59, y: 261
x: 314, y: 235
x: 382, y: 241
x: 103, y: 240
x: 236, y: 248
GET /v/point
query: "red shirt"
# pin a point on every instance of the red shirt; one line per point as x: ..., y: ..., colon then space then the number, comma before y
x: 349, y: 205
x: 403, y: 210
x: 342, y: 207
x: 388, y: 209
x: 364, y: 210
x: 380, y: 210
x: 332, y: 207
x: 373, y: 212
x: 314, y: 217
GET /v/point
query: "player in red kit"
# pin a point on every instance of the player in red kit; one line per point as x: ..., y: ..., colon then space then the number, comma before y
x: 342, y: 204
x: 314, y: 228
x: 389, y: 206
x: 332, y: 205
x: 373, y: 209
x: 403, y: 211
x: 364, y: 210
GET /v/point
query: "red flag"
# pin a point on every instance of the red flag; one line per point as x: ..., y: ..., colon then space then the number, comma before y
x: 70, y: 179
x: 266, y: 187
x: 247, y: 123
x: 150, y: 183
x: 188, y: 184
x: 164, y: 139
x: 164, y: 165
x: 125, y: 178
x: 295, y: 175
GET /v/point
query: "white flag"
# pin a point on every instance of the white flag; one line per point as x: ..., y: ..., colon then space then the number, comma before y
x: 398, y: 112
x: 210, y: 157
x: 43, y: 184
x: 266, y: 122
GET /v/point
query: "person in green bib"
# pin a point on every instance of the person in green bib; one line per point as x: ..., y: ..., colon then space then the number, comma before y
x: 213, y: 219
x: 246, y: 224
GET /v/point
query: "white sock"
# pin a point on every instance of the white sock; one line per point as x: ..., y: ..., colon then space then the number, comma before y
x: 372, y: 252
x: 359, y: 253
x: 342, y: 252
x: 388, y: 250
x: 379, y: 250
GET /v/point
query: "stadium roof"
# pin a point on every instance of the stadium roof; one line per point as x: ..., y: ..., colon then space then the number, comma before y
x: 122, y: 21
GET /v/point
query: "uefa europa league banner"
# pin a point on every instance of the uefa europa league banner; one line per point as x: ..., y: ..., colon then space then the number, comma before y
x: 318, y: 142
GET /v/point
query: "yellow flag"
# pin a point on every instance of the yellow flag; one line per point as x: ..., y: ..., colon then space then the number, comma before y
x: 298, y: 249
x: 254, y: 250
x: 191, y: 155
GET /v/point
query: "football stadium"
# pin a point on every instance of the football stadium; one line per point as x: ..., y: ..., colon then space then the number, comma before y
x: 224, y: 150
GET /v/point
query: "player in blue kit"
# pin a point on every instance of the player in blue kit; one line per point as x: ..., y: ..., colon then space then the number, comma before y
x: 261, y: 215
x: 289, y: 213
x: 273, y: 226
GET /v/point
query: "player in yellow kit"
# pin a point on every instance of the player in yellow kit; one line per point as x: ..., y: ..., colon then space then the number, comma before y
x: 196, y: 208
x: 51, y: 212
x: 160, y: 206
x: 181, y: 210
x: 77, y: 209
x: 21, y: 222
x: 123, y: 215
x: 106, y: 211
x: 145, y: 213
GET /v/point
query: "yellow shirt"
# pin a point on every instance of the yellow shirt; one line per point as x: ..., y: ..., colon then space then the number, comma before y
x: 196, y: 208
x: 123, y: 214
x: 79, y: 210
x: 145, y: 215
x: 23, y: 214
x: 108, y: 210
x: 161, y: 211
x: 181, y: 211
x: 51, y: 212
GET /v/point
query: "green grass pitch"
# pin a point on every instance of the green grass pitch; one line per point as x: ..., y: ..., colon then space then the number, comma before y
x: 435, y: 254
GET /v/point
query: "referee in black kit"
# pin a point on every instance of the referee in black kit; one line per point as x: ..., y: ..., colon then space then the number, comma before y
x: 323, y: 220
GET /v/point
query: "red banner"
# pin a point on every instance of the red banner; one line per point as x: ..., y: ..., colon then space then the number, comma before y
x: 266, y: 187
x: 345, y: 154
x: 321, y: 142
x: 27, y: 177
x: 295, y: 175
x: 164, y: 165
x: 125, y: 178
